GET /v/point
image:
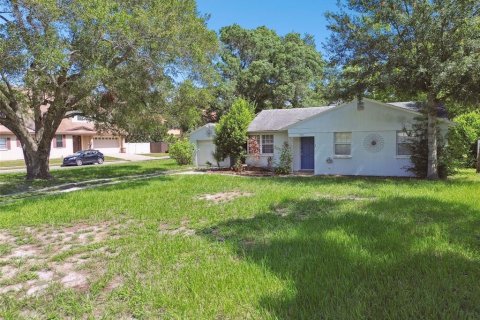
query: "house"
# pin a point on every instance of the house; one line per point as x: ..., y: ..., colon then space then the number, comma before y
x: 366, y: 138
x: 73, y: 134
x: 202, y: 139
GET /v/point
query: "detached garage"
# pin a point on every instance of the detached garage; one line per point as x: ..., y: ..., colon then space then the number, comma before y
x: 202, y: 138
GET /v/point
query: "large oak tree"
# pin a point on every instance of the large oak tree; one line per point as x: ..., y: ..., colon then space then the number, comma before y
x: 103, y: 58
x: 425, y: 49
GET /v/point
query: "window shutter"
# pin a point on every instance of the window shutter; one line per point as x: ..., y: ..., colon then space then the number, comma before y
x: 54, y: 141
x: 8, y: 144
x: 64, y: 142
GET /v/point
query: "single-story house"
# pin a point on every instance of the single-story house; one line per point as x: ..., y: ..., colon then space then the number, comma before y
x: 202, y: 139
x: 357, y: 138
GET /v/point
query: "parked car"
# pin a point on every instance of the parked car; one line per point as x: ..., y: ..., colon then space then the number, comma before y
x: 84, y: 157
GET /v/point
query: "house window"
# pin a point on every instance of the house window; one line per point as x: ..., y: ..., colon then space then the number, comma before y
x: 267, y: 143
x: 257, y: 139
x: 3, y: 144
x: 59, y: 141
x: 404, y: 142
x: 343, y: 143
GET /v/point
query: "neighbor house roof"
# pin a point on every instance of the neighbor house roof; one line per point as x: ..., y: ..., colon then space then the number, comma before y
x: 417, y: 107
x: 278, y: 119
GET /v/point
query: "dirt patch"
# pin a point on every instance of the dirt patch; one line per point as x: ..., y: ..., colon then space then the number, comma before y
x: 343, y: 198
x: 71, y: 256
x: 224, y: 196
x: 172, y: 230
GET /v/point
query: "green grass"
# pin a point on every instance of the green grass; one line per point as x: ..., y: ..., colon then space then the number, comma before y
x: 21, y: 163
x: 15, y: 182
x: 297, y: 248
x: 156, y: 154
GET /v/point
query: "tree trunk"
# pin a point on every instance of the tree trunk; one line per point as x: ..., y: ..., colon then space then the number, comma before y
x: 37, y: 163
x: 432, y: 167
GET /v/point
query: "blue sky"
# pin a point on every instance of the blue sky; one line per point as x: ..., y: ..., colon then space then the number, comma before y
x: 283, y: 16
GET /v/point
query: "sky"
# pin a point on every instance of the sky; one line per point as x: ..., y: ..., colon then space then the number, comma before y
x: 283, y: 16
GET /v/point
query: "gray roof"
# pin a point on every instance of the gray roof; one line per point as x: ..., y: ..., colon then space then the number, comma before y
x: 417, y: 107
x: 279, y: 119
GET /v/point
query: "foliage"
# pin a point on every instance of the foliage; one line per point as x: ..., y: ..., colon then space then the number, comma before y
x: 231, y: 131
x: 114, y: 61
x: 238, y: 166
x: 419, y: 150
x: 182, y: 152
x: 284, y: 165
x: 270, y: 70
x: 426, y: 50
x: 463, y: 137
x: 253, y: 148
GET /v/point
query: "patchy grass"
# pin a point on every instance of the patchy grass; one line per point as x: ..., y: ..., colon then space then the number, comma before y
x: 15, y: 182
x: 156, y: 154
x: 54, y: 162
x: 295, y: 248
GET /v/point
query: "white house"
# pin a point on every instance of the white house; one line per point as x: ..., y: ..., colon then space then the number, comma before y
x: 202, y: 139
x: 366, y: 138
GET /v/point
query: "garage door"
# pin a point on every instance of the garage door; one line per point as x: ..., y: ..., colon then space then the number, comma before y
x: 205, y: 148
x: 106, y: 144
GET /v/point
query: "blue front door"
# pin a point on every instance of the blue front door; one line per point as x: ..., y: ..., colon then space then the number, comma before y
x: 307, y: 151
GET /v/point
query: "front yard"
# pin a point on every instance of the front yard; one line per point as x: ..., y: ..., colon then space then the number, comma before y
x: 221, y: 247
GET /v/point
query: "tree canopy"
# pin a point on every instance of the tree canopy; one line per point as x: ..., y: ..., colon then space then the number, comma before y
x: 104, y: 58
x: 269, y: 70
x: 426, y: 50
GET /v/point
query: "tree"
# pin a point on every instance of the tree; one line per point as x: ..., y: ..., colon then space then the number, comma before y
x: 231, y: 131
x: 269, y: 70
x: 106, y: 59
x: 463, y: 137
x: 428, y: 50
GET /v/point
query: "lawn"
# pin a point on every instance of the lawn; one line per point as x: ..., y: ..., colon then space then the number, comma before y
x: 55, y: 162
x: 225, y: 247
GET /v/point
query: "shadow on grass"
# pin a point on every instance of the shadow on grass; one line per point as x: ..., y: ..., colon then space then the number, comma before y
x: 12, y: 183
x: 391, y: 258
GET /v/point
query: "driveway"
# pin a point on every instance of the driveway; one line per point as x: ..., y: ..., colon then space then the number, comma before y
x: 134, y: 157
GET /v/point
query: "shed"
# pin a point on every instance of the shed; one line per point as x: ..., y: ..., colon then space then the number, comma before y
x: 202, y: 139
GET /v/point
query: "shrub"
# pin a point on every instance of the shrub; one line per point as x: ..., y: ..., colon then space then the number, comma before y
x: 419, y: 149
x: 286, y: 159
x: 182, y: 152
x: 231, y: 131
x: 463, y: 137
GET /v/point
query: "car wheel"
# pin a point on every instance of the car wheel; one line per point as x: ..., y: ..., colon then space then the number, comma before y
x: 79, y: 162
x: 100, y: 161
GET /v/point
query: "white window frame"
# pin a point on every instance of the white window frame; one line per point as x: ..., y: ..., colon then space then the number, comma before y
x: 335, y: 143
x: 6, y: 144
x: 263, y: 144
x: 260, y: 140
x: 406, y: 133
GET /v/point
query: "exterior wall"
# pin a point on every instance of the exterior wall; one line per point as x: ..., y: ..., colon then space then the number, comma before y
x: 16, y: 153
x: 375, y: 118
x: 204, y: 136
x: 137, y: 148
x: 278, y: 139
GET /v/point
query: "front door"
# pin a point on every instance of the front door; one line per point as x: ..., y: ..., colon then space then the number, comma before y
x: 307, y: 152
x: 77, y: 143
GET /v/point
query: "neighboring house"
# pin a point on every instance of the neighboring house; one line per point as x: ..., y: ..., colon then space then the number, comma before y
x: 367, y: 138
x: 202, y: 139
x: 73, y: 134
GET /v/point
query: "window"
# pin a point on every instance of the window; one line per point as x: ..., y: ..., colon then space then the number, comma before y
x: 257, y: 139
x: 404, y: 141
x: 267, y: 143
x: 3, y: 144
x: 59, y: 141
x: 343, y: 143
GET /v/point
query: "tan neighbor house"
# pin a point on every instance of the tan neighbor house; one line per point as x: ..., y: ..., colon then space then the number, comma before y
x: 73, y: 134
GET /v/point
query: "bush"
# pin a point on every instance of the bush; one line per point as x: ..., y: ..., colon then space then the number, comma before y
x: 231, y: 131
x: 182, y: 152
x: 286, y: 159
x: 463, y: 137
x: 419, y: 149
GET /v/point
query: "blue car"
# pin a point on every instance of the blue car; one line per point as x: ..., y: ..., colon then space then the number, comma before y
x: 84, y: 157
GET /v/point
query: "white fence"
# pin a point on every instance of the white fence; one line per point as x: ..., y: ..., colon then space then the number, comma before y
x: 137, y: 148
